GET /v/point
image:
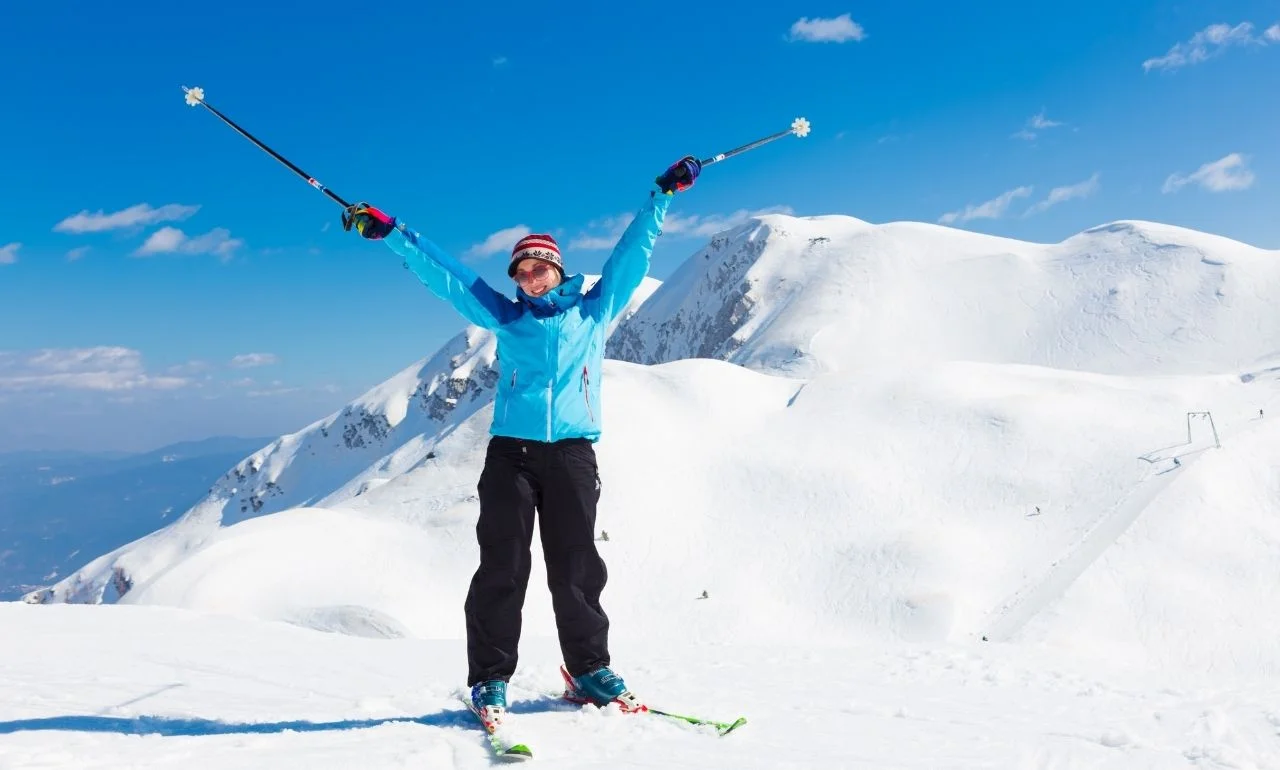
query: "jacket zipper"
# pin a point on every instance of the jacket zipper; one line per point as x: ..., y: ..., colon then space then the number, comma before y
x: 586, y: 394
x: 511, y: 393
x: 554, y: 364
x: 549, y: 384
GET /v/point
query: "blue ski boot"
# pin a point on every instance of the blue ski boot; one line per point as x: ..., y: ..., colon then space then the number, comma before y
x: 600, y: 687
x: 489, y: 701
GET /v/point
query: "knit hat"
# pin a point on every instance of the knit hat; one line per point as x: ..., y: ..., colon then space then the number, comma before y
x: 536, y: 246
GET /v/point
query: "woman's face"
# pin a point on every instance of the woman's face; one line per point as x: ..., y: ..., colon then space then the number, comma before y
x: 536, y: 277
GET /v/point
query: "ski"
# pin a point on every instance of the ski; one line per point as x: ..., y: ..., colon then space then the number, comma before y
x: 502, y: 748
x: 630, y: 704
x: 722, y: 728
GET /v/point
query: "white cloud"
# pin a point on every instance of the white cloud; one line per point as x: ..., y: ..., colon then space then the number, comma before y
x: 1065, y: 193
x: 992, y: 209
x: 498, y: 61
x: 838, y: 30
x: 1209, y: 42
x: 1229, y: 173
x: 9, y: 253
x: 1040, y: 121
x: 102, y: 368
x: 77, y: 253
x: 171, y: 240
x: 163, y: 240
x: 497, y: 242
x: 134, y: 216
x: 1036, y: 123
x: 250, y: 360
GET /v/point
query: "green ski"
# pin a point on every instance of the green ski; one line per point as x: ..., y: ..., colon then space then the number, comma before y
x: 723, y: 728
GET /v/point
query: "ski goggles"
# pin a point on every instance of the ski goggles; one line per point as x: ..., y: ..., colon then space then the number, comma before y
x: 537, y: 273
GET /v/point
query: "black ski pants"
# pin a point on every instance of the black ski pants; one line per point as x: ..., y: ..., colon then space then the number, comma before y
x: 561, y: 481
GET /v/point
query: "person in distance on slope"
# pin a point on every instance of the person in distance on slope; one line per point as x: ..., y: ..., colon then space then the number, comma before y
x: 540, y: 455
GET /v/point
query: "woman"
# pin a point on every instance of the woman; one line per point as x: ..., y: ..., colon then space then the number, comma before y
x: 546, y: 418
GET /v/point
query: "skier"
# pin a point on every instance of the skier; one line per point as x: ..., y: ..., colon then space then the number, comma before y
x: 540, y: 455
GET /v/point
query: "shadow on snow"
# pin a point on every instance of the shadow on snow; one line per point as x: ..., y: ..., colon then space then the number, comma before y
x: 196, y: 726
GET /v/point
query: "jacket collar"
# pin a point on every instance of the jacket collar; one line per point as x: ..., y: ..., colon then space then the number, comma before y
x: 559, y: 299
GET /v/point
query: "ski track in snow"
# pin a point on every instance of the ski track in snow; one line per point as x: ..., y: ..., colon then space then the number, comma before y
x: 1154, y: 479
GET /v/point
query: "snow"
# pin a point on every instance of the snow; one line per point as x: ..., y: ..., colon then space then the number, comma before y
x: 94, y: 687
x: 925, y: 477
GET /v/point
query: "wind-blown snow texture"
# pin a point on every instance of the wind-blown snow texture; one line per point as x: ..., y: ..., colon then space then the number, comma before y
x: 872, y: 446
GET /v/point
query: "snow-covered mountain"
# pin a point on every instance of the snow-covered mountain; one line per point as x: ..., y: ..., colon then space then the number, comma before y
x: 841, y: 432
x: 834, y: 293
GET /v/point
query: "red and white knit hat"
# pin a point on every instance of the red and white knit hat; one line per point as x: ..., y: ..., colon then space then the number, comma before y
x: 536, y: 246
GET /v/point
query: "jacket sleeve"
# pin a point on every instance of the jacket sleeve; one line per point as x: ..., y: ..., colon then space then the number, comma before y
x: 629, y: 263
x: 451, y: 280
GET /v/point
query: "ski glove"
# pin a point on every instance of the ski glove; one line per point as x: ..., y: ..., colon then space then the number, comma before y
x: 680, y: 176
x: 368, y: 221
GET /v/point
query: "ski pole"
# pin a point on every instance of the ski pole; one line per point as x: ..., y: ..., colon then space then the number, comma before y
x: 799, y: 127
x: 195, y: 97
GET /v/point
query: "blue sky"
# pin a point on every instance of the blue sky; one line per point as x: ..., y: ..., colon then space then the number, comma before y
x: 162, y: 279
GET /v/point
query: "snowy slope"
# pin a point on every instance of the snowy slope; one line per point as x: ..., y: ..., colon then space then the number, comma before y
x: 82, y: 691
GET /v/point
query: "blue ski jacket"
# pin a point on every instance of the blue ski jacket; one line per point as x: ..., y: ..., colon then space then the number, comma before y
x: 550, y: 348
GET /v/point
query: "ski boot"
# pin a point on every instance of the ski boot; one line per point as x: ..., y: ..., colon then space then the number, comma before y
x: 600, y: 688
x: 489, y: 701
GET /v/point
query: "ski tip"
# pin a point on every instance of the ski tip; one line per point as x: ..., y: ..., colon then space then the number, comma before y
x: 517, y: 753
x: 726, y: 729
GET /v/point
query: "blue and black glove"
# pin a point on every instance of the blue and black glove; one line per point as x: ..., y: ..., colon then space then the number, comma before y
x: 680, y: 175
x: 368, y: 221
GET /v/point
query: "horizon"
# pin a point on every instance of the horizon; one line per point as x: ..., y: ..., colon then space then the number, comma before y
x: 168, y: 280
